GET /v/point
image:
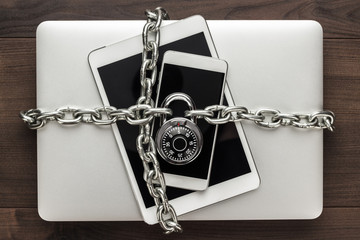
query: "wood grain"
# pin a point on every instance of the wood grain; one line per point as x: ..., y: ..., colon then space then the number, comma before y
x: 334, y: 223
x: 18, y: 192
x: 340, y: 18
x: 341, y: 148
x: 17, y: 144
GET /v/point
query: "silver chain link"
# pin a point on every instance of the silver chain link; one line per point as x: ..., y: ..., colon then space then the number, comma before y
x: 266, y: 118
x: 35, y: 118
x: 143, y: 113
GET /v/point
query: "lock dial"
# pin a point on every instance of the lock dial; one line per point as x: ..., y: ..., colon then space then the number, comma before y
x: 179, y: 141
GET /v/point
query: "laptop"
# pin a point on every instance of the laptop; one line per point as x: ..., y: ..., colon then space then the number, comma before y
x: 273, y: 64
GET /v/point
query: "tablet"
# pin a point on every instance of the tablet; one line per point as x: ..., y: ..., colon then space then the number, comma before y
x: 116, y: 68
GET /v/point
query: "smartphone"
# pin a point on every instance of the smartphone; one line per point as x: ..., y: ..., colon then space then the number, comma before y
x: 202, y: 79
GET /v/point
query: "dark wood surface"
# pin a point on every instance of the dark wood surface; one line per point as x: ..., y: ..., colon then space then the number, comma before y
x: 18, y: 190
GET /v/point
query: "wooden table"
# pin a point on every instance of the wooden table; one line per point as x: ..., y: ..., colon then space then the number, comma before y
x: 18, y: 187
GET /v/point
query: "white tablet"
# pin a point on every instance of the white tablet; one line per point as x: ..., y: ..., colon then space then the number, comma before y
x: 116, y: 71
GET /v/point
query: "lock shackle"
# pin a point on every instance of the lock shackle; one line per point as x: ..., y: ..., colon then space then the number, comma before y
x: 178, y: 96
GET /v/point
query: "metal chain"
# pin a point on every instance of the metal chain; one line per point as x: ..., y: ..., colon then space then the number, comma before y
x: 267, y: 118
x: 145, y: 144
x: 35, y: 118
x: 143, y: 113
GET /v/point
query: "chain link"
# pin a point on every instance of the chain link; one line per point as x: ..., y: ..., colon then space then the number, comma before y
x: 35, y: 118
x: 267, y: 118
x: 143, y: 113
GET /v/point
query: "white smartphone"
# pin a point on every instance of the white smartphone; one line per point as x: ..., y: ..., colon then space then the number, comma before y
x: 116, y: 70
x: 202, y: 79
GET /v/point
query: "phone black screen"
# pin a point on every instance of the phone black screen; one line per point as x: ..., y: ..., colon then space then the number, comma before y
x: 122, y: 86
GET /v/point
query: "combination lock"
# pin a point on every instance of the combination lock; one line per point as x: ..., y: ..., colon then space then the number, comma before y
x: 179, y: 140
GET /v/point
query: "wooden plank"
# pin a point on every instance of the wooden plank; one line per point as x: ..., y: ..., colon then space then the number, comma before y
x: 342, y: 189
x: 341, y: 148
x: 339, y: 18
x: 18, y: 145
x: 334, y: 223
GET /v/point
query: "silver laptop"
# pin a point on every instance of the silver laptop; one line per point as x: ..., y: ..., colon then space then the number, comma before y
x: 272, y: 64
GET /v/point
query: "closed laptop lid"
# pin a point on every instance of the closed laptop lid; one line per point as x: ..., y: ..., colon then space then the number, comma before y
x: 272, y: 64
